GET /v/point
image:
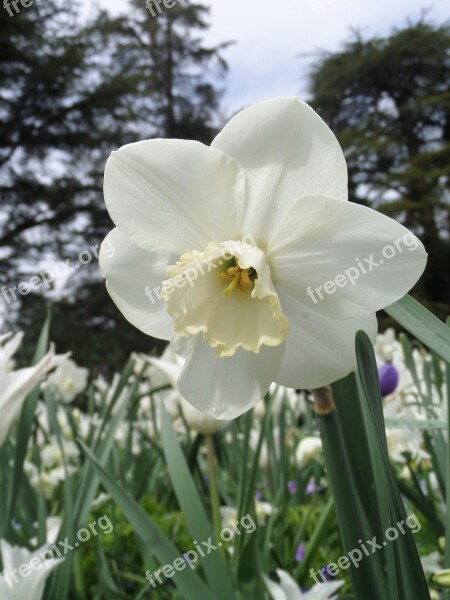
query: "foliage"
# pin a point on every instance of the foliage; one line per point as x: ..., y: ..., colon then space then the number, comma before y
x: 148, y: 472
x: 388, y: 103
x: 71, y: 93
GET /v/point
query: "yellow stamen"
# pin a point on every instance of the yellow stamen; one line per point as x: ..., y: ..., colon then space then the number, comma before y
x: 239, y: 280
x: 245, y: 279
x: 233, y: 285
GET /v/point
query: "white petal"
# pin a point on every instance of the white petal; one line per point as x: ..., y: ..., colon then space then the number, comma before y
x: 275, y: 590
x: 8, y: 349
x: 323, y: 591
x: 364, y: 259
x: 15, y: 587
x: 319, y: 350
x: 53, y: 528
x: 133, y: 278
x: 286, y: 151
x: 13, y: 556
x: 227, y: 387
x: 170, y: 369
x: 15, y: 386
x: 289, y: 585
x: 174, y: 195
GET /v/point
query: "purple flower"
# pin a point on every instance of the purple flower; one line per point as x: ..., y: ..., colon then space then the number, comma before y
x: 292, y: 487
x: 423, y: 487
x: 258, y: 495
x: 311, y: 487
x: 300, y: 553
x: 389, y: 377
x: 325, y: 573
x: 15, y: 525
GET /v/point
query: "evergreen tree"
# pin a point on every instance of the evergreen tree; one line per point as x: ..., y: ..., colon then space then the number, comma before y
x: 388, y: 102
x: 160, y: 50
x: 71, y: 94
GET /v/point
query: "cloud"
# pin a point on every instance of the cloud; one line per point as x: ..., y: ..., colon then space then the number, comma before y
x: 277, y: 40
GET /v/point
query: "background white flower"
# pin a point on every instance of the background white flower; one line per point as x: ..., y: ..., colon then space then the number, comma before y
x: 16, y: 385
x: 309, y: 448
x: 68, y: 380
x: 288, y: 589
x: 15, y: 586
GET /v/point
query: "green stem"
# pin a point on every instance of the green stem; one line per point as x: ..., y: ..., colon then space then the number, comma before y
x: 353, y: 523
x: 213, y: 490
x: 446, y: 595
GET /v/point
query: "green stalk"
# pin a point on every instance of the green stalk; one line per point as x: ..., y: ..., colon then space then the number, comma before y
x: 446, y: 595
x: 213, y: 490
x: 367, y: 580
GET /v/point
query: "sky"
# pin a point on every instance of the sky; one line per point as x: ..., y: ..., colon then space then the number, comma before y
x: 276, y: 40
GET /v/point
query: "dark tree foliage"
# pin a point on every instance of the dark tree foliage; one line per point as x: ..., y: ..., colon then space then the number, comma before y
x: 388, y: 101
x: 166, y: 58
x: 71, y: 93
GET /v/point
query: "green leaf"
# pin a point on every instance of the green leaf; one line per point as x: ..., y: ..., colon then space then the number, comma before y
x: 101, y: 445
x: 350, y: 465
x: 446, y: 594
x: 61, y: 579
x: 151, y: 536
x: 368, y: 372
x: 422, y: 324
x: 404, y: 571
x: 193, y: 509
x: 410, y: 364
x: 317, y: 536
x: 25, y: 427
x: 426, y: 424
x: 361, y: 477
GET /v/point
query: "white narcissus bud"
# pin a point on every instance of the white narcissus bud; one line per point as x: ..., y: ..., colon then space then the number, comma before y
x: 443, y: 578
x: 308, y: 449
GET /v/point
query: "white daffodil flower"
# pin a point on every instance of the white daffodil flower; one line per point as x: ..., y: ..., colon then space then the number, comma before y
x: 68, y: 380
x: 24, y: 573
x: 229, y: 515
x: 431, y: 563
x: 250, y: 251
x: 288, y: 589
x: 16, y: 385
x: 404, y: 441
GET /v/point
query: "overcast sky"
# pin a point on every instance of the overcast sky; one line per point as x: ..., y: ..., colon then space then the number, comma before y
x: 271, y: 35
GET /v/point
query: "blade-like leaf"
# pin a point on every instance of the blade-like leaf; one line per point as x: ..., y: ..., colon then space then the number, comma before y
x: 150, y: 534
x: 193, y: 509
x: 422, y: 324
x: 25, y: 426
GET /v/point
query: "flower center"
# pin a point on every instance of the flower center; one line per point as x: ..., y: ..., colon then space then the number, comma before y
x: 241, y: 279
x: 200, y: 298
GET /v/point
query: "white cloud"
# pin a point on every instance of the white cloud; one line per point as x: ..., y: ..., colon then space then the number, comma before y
x: 273, y: 36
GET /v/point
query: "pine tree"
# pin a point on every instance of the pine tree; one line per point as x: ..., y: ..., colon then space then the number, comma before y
x: 174, y: 96
x: 71, y: 95
x: 388, y: 101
